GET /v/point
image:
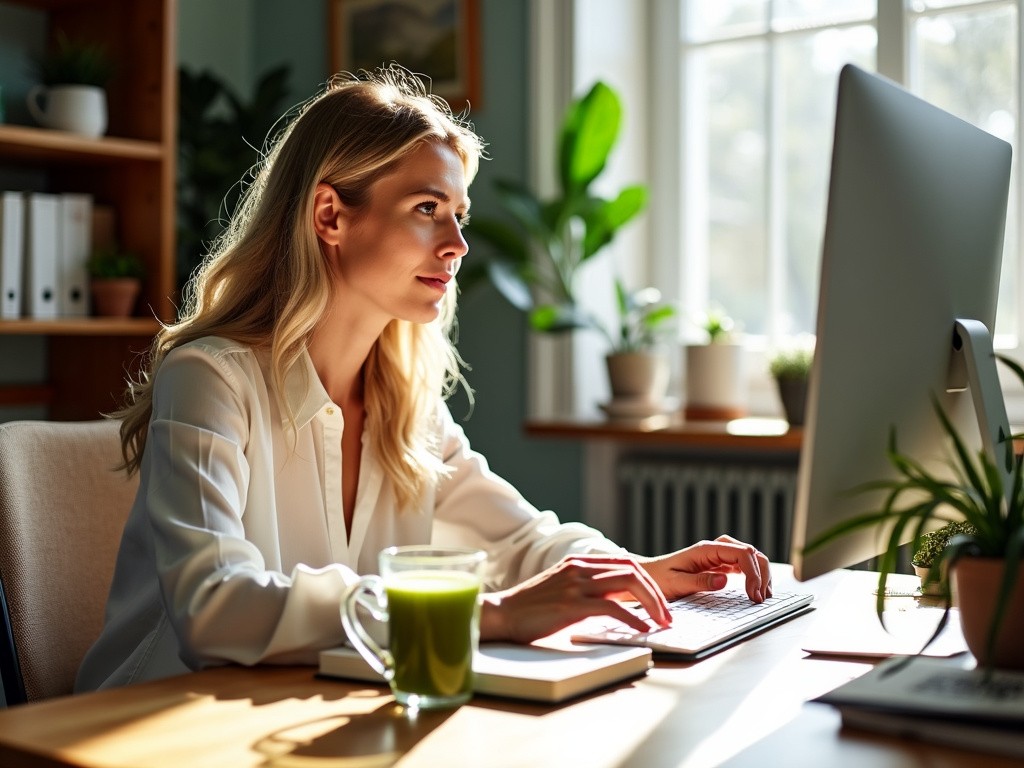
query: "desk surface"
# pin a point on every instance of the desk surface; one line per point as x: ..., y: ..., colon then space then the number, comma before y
x: 744, y: 706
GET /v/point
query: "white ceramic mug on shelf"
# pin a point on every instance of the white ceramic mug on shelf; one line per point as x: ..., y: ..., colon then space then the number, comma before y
x: 80, y: 109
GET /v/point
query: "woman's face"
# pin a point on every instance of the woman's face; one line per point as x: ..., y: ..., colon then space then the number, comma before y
x: 399, y: 252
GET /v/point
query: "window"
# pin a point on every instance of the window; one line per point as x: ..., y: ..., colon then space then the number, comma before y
x: 757, y: 80
x: 731, y: 119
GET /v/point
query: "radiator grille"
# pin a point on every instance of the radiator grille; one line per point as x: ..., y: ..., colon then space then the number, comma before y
x: 670, y: 504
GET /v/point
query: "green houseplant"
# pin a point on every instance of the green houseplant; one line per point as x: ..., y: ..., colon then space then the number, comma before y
x: 928, y: 556
x: 70, y: 94
x: 535, y: 259
x: 74, y: 62
x: 976, y: 495
x: 714, y: 369
x: 791, y: 368
x: 115, y: 280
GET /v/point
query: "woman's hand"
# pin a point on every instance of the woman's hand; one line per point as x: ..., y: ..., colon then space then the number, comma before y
x: 703, y: 566
x: 577, y: 587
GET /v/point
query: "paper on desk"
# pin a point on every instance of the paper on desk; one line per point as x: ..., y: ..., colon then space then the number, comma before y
x: 849, y: 625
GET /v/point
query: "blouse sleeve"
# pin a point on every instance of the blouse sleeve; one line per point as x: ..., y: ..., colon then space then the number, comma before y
x: 222, y: 599
x: 477, y: 508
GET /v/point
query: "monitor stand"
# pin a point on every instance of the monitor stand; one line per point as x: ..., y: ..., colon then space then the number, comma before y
x: 973, y: 365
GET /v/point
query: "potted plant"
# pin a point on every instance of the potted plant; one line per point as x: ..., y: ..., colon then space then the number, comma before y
x: 115, y: 281
x: 791, y: 368
x: 714, y: 370
x: 927, y: 557
x: 984, y: 563
x: 638, y: 370
x: 535, y: 259
x: 70, y: 95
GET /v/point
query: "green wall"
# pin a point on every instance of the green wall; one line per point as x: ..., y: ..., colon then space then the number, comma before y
x: 241, y: 39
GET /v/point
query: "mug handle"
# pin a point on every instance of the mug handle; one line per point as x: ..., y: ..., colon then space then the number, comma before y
x: 32, y: 101
x: 380, y: 660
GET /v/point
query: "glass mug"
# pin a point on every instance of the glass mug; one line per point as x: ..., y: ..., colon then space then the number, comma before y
x: 428, y: 598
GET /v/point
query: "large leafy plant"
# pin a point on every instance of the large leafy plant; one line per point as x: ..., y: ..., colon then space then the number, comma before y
x: 984, y: 496
x: 537, y: 257
x: 219, y: 133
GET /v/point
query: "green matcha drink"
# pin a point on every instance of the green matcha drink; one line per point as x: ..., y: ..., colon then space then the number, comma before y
x: 431, y: 628
x: 428, y: 597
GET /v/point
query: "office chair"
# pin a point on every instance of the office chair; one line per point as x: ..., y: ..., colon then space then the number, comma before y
x: 62, y: 510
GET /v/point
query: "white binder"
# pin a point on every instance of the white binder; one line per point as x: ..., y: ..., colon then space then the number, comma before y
x: 42, y: 243
x: 75, y: 243
x: 12, y: 227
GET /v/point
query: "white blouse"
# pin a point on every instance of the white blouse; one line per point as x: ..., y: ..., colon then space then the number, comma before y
x: 236, y: 549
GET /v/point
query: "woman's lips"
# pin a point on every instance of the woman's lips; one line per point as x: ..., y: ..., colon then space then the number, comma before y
x: 434, y: 282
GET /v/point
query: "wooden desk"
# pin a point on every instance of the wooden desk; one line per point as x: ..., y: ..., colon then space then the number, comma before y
x: 745, y: 706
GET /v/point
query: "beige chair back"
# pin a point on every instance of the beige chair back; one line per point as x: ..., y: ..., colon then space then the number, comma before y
x: 63, y: 506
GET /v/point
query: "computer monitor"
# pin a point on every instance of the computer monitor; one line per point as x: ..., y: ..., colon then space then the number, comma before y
x: 913, y: 242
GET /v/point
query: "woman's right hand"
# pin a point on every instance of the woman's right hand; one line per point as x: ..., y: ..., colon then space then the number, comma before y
x: 577, y: 587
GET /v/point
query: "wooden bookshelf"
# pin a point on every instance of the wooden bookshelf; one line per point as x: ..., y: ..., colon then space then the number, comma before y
x: 132, y: 170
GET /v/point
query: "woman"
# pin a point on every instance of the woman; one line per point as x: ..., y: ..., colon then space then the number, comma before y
x: 292, y: 425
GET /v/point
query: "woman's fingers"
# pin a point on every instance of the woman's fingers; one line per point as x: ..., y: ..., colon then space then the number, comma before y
x: 575, y: 589
x: 701, y: 567
x: 624, y: 578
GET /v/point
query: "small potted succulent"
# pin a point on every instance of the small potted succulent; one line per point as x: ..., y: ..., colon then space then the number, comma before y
x: 714, y: 370
x: 927, y: 557
x: 115, y: 281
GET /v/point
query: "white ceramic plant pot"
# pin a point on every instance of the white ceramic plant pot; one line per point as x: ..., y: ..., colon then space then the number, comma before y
x: 640, y: 377
x: 715, y: 385
x: 80, y: 109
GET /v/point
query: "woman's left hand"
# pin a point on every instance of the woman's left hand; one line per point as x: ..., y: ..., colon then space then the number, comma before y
x: 703, y: 566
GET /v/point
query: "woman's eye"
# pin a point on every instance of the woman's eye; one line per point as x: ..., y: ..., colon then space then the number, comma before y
x: 463, y: 219
x: 428, y: 208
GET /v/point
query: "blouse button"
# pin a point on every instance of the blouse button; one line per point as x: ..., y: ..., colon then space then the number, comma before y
x: 330, y: 411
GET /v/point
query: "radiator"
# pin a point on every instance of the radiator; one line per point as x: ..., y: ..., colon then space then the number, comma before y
x: 671, y: 504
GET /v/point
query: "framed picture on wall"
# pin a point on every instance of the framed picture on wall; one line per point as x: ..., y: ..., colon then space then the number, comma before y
x: 439, y: 39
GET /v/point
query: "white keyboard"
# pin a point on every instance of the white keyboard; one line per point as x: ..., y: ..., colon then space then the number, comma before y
x: 702, y: 623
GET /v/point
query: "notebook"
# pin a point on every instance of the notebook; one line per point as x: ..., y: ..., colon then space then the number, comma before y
x: 533, y: 672
x: 702, y: 624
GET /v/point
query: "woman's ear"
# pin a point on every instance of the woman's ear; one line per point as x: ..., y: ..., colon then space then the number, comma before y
x: 328, y: 213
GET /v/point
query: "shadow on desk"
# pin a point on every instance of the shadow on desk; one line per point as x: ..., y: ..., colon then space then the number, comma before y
x: 379, y: 737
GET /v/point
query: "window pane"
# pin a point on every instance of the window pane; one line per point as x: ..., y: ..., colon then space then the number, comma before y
x: 806, y: 93
x: 715, y: 19
x: 923, y: 5
x: 967, y: 63
x: 800, y: 14
x: 734, y: 249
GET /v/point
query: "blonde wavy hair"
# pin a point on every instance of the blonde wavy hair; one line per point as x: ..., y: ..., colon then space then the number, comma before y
x: 265, y: 282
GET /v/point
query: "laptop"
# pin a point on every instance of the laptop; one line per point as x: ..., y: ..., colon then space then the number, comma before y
x: 702, y: 624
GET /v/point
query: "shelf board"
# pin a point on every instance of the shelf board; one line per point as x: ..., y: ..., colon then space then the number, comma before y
x: 28, y: 143
x: 25, y: 394
x: 85, y: 326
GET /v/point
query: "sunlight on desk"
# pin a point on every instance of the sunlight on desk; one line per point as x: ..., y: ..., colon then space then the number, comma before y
x: 755, y: 426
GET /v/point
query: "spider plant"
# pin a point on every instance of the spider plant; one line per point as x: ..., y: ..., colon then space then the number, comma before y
x: 980, y: 494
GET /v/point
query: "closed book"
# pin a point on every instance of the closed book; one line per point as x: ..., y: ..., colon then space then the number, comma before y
x: 940, y: 700
x: 12, y: 239
x: 42, y: 241
x: 75, y: 243
x: 533, y: 672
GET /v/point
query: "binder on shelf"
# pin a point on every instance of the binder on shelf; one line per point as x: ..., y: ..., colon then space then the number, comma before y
x: 12, y: 224
x: 42, y: 243
x: 75, y: 243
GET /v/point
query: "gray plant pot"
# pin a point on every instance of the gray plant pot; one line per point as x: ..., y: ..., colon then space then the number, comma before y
x: 793, y: 393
